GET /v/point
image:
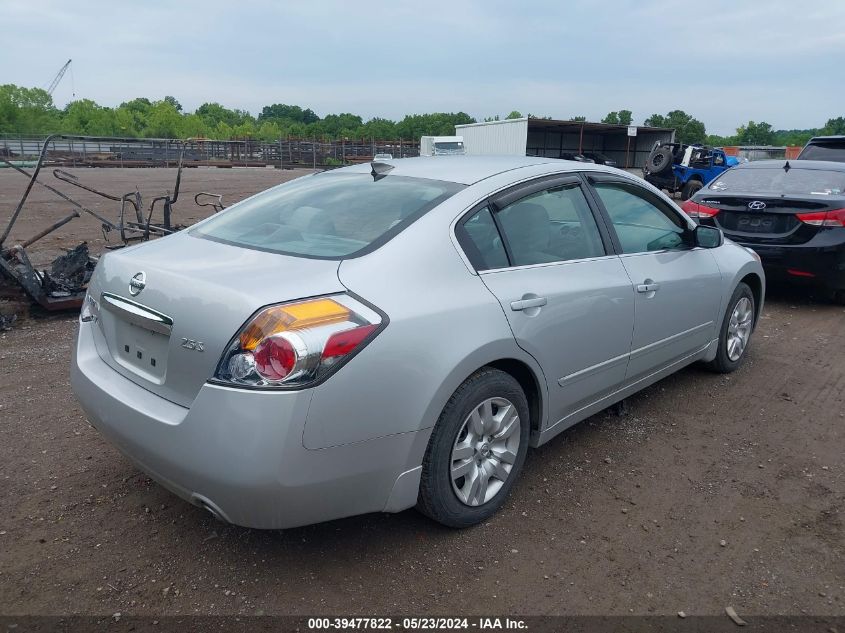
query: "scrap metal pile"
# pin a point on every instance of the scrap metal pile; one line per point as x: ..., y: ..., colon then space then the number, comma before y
x: 62, y: 286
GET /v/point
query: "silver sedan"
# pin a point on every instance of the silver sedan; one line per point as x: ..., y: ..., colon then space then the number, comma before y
x: 399, y: 334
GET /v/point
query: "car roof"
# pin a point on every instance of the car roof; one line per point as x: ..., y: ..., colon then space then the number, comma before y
x: 465, y: 170
x: 827, y: 165
x: 824, y: 139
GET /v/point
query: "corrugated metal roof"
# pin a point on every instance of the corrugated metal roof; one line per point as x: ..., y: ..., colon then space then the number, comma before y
x: 568, y: 126
x: 590, y: 127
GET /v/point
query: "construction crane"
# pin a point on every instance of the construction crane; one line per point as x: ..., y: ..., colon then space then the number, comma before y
x: 58, y: 77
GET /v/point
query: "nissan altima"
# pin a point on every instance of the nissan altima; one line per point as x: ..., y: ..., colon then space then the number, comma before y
x: 399, y: 334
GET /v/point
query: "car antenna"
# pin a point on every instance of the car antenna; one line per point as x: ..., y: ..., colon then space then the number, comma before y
x: 380, y: 170
x: 786, y: 166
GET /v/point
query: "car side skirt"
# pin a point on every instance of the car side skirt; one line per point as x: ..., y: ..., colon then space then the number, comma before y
x: 707, y: 352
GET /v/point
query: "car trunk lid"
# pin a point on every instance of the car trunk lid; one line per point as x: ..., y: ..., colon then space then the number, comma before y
x: 764, y: 220
x: 169, y: 332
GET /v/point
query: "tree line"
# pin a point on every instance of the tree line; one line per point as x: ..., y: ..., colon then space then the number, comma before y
x: 690, y: 130
x: 32, y: 111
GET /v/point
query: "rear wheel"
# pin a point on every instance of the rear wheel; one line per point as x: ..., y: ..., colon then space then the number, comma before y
x: 735, y: 334
x: 476, y: 451
x: 690, y: 188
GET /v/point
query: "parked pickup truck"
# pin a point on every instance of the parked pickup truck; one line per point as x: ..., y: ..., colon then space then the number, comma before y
x: 685, y: 168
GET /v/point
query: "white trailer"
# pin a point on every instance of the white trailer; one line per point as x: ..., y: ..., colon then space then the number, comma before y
x: 492, y: 138
x: 441, y: 145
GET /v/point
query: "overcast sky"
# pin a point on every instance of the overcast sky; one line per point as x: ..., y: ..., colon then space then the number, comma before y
x: 724, y: 62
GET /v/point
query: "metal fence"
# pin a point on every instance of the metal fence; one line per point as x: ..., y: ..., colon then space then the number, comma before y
x: 132, y: 152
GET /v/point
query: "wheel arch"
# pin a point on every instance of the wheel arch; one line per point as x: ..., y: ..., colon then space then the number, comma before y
x: 530, y: 384
x: 753, y: 281
x: 505, y: 356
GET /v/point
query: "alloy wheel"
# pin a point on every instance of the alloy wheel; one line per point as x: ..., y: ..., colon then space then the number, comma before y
x: 484, y: 451
x: 739, y: 328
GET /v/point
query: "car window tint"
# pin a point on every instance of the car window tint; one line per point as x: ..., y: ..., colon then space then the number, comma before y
x: 551, y: 226
x: 481, y: 241
x: 327, y: 215
x: 640, y: 224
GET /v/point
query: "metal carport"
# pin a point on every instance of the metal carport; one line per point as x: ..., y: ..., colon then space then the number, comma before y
x: 550, y: 137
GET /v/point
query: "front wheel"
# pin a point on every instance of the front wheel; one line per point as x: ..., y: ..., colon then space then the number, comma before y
x: 476, y: 450
x: 735, y: 334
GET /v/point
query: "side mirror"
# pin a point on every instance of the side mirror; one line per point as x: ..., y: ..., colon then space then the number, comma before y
x: 707, y: 237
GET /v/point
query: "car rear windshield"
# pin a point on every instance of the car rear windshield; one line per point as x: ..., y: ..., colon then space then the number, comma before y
x: 329, y: 216
x: 824, y: 151
x: 777, y: 180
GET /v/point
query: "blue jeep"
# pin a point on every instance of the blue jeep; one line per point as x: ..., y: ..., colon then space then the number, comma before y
x: 685, y: 168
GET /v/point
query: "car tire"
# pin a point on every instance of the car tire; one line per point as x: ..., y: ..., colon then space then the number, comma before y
x: 659, y: 160
x: 837, y: 297
x: 690, y: 188
x: 458, y: 501
x: 726, y: 359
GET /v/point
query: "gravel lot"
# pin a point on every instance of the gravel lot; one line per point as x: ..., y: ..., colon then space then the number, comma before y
x: 44, y: 207
x: 712, y: 491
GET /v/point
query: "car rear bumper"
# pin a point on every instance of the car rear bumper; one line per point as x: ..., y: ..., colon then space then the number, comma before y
x: 240, y: 454
x: 820, y: 262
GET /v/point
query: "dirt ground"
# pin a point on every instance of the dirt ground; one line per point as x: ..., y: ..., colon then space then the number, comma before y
x: 44, y: 207
x: 712, y: 491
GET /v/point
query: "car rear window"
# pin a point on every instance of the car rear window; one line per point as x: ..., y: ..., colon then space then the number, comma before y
x: 824, y: 151
x: 328, y: 216
x: 778, y: 180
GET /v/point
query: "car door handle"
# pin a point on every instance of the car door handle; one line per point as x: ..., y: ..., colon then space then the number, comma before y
x: 524, y: 304
x: 649, y: 286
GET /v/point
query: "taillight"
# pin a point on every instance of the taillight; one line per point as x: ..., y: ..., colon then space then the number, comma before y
x: 835, y: 217
x: 276, y: 357
x: 90, y: 310
x: 299, y: 343
x: 342, y: 343
x: 696, y: 210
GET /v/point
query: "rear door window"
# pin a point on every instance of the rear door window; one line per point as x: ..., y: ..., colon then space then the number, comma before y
x: 547, y: 226
x: 553, y: 225
x: 328, y: 216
